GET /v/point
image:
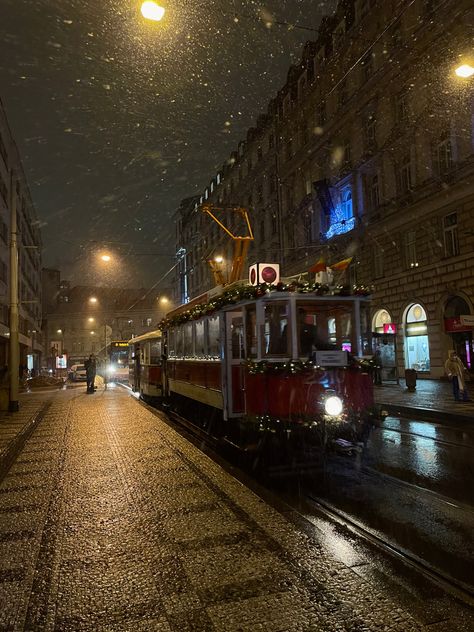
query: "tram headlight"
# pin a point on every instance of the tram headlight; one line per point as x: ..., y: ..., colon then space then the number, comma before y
x: 111, y: 369
x: 333, y: 406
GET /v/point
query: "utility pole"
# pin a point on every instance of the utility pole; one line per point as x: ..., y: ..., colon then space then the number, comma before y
x: 14, y: 362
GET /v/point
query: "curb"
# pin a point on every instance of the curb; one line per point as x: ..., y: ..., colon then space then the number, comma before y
x: 427, y: 413
x: 8, y: 455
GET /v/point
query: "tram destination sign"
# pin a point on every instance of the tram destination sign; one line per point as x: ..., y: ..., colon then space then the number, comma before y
x: 331, y: 358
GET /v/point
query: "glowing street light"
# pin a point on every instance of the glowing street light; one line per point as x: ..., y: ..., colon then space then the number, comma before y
x: 91, y: 320
x: 59, y: 331
x: 152, y: 11
x: 106, y: 258
x: 218, y: 259
x: 164, y: 300
x: 93, y: 300
x: 464, y: 71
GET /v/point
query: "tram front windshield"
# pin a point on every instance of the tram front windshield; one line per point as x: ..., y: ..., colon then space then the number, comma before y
x: 323, y: 327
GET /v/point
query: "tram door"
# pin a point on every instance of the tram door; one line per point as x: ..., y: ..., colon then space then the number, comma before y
x: 235, y: 354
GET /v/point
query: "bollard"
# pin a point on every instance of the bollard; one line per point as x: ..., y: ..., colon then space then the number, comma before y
x: 410, y: 379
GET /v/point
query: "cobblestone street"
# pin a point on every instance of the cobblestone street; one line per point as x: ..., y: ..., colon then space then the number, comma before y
x: 110, y: 520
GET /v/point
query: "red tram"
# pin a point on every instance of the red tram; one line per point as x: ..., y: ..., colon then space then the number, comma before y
x: 264, y: 358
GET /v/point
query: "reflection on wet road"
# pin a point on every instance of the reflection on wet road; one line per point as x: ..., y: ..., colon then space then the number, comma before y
x: 436, y: 457
x: 411, y: 486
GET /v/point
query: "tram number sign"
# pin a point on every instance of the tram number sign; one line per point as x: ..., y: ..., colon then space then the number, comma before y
x: 331, y: 358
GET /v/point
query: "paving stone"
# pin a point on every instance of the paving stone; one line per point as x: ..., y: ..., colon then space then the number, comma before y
x: 135, y: 529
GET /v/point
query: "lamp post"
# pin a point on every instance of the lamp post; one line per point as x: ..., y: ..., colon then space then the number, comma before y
x: 14, y: 360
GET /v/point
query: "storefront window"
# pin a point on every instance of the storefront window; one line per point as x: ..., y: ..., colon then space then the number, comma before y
x: 417, y: 351
x: 457, y: 318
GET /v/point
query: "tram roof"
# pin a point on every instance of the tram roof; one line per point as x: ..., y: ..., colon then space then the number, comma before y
x: 150, y: 335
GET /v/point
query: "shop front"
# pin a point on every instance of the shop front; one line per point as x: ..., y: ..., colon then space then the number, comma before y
x: 459, y: 326
x: 417, y: 348
x: 385, y: 346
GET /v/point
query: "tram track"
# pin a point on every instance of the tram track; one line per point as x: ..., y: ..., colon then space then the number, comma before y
x: 451, y: 444
x: 316, y: 506
x: 455, y: 587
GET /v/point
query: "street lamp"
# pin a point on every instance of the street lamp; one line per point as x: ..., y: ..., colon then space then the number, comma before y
x: 152, y: 11
x: 93, y: 300
x: 106, y: 258
x: 465, y: 71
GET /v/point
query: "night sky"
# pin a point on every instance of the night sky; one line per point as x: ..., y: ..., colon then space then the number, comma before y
x: 118, y: 119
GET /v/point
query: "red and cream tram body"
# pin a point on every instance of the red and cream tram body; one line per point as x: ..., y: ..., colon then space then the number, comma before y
x: 145, y: 365
x: 268, y: 357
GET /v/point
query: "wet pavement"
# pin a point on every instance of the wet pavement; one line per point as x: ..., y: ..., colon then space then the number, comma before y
x: 110, y: 520
x: 431, y: 398
x: 411, y: 486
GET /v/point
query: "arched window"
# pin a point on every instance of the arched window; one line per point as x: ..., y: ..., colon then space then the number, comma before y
x: 417, y: 350
x: 346, y: 204
x: 381, y: 318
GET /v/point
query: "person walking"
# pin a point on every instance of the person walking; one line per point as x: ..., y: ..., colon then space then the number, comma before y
x: 455, y: 369
x: 91, y: 368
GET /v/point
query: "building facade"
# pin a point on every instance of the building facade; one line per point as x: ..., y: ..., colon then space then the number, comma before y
x: 367, y: 154
x: 83, y: 320
x: 14, y: 190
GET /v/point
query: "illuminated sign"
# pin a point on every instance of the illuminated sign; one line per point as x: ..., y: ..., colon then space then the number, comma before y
x: 417, y: 329
x: 61, y: 362
x: 389, y: 328
x: 119, y: 343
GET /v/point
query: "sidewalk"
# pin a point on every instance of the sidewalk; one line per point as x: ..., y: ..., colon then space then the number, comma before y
x: 432, y: 399
x: 110, y: 520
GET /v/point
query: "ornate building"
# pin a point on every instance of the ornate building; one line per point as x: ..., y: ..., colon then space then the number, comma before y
x: 366, y: 153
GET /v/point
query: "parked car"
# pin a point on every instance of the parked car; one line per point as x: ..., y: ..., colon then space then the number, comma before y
x: 77, y: 373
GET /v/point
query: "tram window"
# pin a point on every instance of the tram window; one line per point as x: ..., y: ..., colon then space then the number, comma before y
x: 155, y: 352
x: 251, y: 331
x: 179, y: 342
x: 188, y: 340
x: 237, y: 337
x: 171, y: 344
x: 276, y: 339
x: 213, y: 337
x: 200, y: 343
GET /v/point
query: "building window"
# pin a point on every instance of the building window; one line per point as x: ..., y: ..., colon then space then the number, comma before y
x: 378, y: 257
x: 370, y: 130
x: 417, y: 351
x: 404, y: 180
x: 347, y: 151
x: 262, y: 231
x: 410, y: 249
x: 307, y: 227
x: 343, y: 93
x: 321, y: 114
x: 401, y: 107
x: 444, y: 155
x: 274, y: 224
x: 450, y: 229
x: 3, y: 271
x: 367, y: 64
x: 373, y: 192
x: 346, y: 204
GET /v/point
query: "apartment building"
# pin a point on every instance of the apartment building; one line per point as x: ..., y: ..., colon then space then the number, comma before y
x: 367, y: 152
x: 14, y: 190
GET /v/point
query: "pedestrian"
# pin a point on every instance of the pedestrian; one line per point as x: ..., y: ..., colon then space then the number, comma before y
x: 455, y: 369
x: 91, y: 368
